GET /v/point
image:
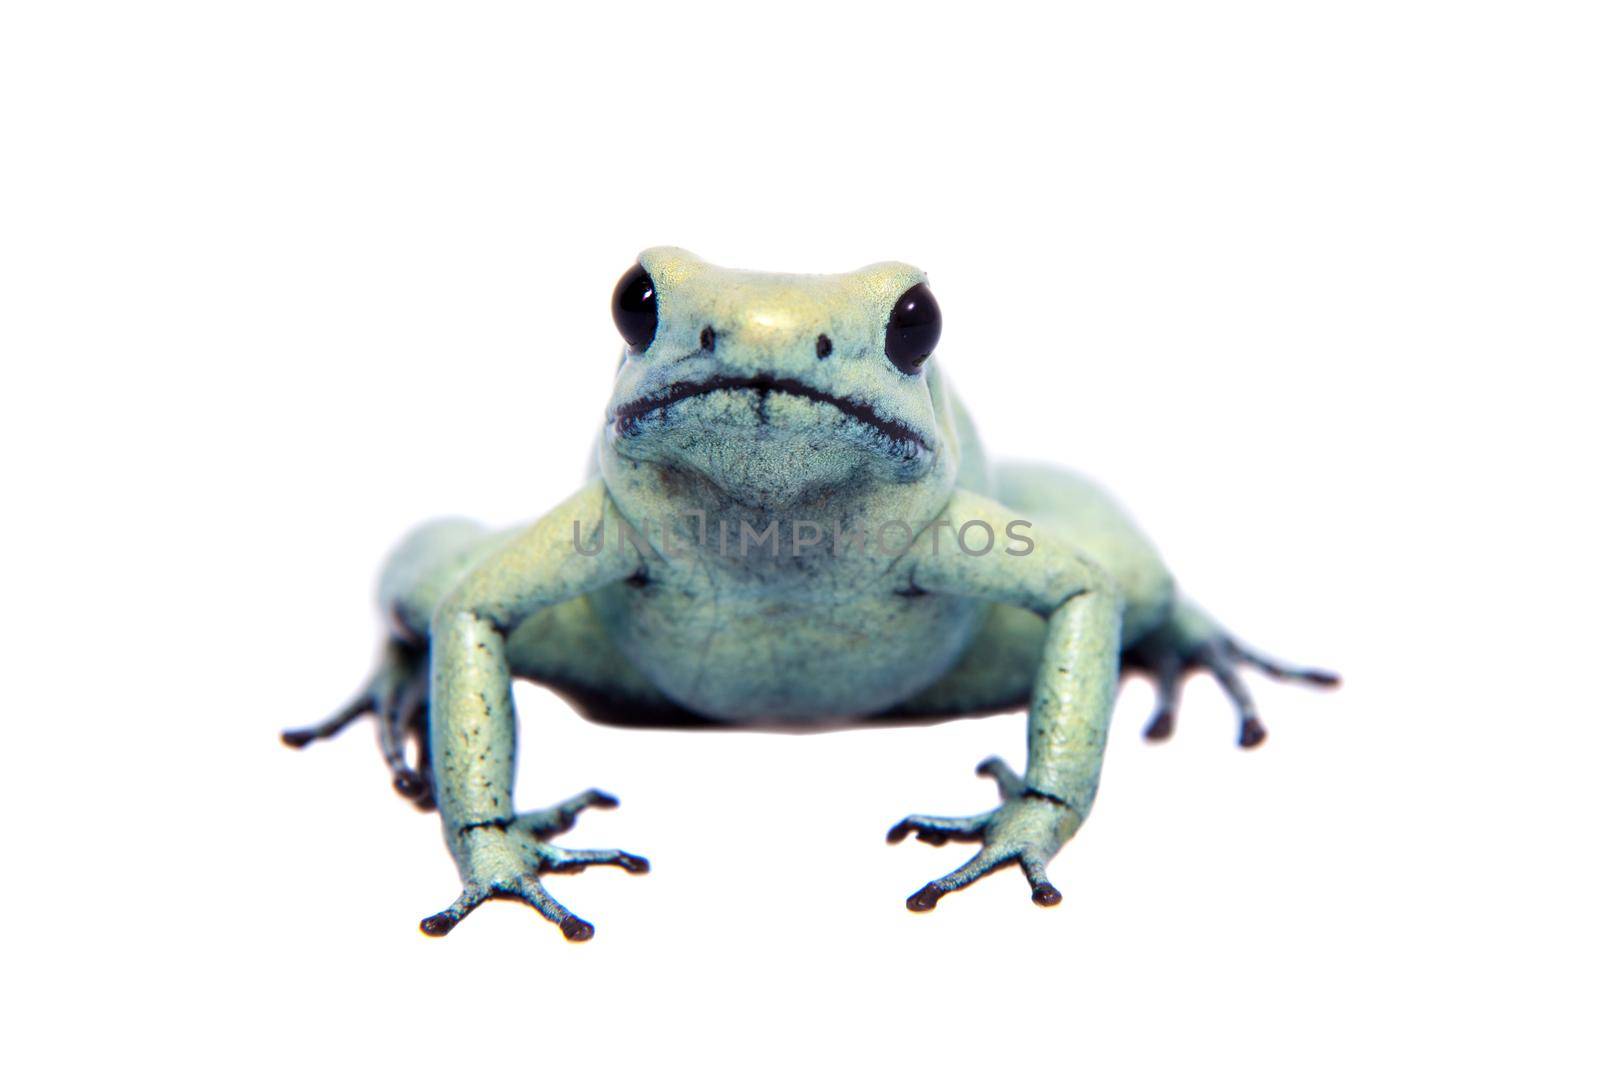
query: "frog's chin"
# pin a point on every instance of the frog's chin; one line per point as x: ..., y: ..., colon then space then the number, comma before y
x: 771, y: 449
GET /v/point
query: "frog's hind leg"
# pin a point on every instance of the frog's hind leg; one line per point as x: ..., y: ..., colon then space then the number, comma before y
x: 396, y: 695
x: 1189, y: 642
x: 403, y: 728
x: 426, y: 563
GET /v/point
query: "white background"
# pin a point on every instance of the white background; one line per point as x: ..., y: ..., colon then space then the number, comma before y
x: 1311, y: 286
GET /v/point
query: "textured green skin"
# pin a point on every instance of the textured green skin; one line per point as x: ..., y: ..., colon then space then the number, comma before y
x: 810, y: 637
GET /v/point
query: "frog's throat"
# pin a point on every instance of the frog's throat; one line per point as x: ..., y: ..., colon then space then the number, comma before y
x: 627, y: 416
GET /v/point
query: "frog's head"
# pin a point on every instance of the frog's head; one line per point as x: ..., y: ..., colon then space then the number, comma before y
x: 774, y: 387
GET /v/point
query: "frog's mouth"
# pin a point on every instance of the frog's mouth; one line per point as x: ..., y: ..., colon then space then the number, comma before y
x: 628, y: 417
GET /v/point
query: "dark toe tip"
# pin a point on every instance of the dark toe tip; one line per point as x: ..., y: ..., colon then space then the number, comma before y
x: 1046, y: 895
x: 575, y: 929
x: 633, y: 864
x: 409, y: 784
x: 924, y: 899
x: 296, y: 738
x: 1251, y: 734
x: 1160, y: 727
x: 1323, y: 678
x: 898, y: 832
x: 602, y: 799
x: 439, y: 925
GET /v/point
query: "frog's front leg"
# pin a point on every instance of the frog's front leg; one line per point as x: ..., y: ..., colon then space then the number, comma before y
x: 1073, y: 694
x: 498, y: 852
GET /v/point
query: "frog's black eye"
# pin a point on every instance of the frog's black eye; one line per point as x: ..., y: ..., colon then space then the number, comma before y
x: 633, y: 308
x: 914, y: 327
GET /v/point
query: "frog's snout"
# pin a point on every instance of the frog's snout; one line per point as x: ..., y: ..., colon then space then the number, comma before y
x: 771, y: 342
x: 822, y: 345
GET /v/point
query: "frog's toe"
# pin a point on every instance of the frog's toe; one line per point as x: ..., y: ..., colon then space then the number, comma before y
x: 1167, y: 668
x: 937, y: 829
x: 532, y: 892
x: 527, y: 889
x: 1008, y: 781
x: 1215, y: 660
x: 570, y: 860
x: 988, y: 860
x: 559, y: 818
x: 941, y: 829
x: 1281, y: 671
x: 1221, y: 658
x: 403, y: 734
x: 1045, y: 894
x: 1161, y: 724
x: 414, y: 786
x: 300, y: 737
x: 441, y: 923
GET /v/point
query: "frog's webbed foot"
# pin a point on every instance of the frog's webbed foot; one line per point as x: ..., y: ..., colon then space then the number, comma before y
x: 505, y: 859
x: 1192, y: 644
x: 1026, y: 830
x: 397, y: 695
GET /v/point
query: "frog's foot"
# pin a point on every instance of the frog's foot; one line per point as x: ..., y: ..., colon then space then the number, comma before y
x: 504, y: 859
x: 1192, y: 643
x: 397, y: 695
x: 1026, y: 830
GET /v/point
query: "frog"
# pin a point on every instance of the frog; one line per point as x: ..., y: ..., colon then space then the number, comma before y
x: 789, y: 522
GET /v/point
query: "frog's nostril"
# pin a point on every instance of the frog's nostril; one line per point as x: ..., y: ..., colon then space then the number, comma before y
x: 708, y: 339
x: 824, y: 346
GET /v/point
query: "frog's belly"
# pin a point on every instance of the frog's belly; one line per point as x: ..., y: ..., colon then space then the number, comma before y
x: 767, y: 658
